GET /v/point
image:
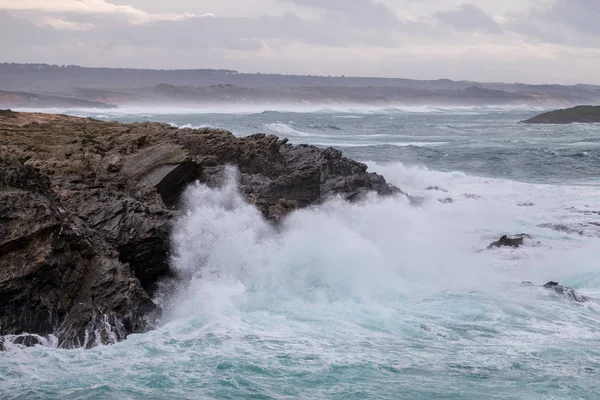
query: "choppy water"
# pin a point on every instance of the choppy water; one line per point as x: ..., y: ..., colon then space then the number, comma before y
x: 375, y: 300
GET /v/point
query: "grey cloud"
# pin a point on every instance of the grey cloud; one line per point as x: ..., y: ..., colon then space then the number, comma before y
x: 358, y: 12
x: 573, y: 23
x: 469, y: 18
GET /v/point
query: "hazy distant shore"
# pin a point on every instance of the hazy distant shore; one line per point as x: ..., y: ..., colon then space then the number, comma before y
x: 44, y: 86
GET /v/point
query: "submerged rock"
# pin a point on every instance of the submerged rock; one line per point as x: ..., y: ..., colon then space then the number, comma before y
x: 510, y: 241
x: 525, y: 205
x: 436, y: 188
x: 566, y: 291
x: 86, y: 209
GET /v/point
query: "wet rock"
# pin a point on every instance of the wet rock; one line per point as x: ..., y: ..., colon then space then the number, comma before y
x: 472, y: 196
x: 447, y: 200
x: 515, y: 241
x: 86, y: 209
x: 437, y: 188
x: 525, y: 205
x: 566, y: 291
x: 590, y: 229
x: 56, y: 273
x: 27, y: 340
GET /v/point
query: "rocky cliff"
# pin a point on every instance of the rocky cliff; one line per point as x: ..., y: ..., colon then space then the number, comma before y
x: 86, y: 209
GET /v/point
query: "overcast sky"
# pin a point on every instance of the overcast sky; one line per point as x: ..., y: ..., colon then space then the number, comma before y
x: 535, y: 41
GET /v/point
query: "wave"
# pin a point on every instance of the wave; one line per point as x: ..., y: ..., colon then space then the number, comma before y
x: 379, y: 290
x: 356, y: 110
x: 377, y: 250
x: 375, y: 144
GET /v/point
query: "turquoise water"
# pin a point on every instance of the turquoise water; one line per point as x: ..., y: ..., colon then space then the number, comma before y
x: 378, y: 300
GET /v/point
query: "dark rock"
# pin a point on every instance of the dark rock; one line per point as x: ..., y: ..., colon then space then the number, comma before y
x: 589, y: 229
x: 566, y: 291
x: 471, y: 196
x: 437, y: 188
x: 581, y: 114
x: 27, y: 340
x: 86, y: 209
x: 56, y: 274
x: 525, y: 205
x: 510, y: 241
x: 447, y: 200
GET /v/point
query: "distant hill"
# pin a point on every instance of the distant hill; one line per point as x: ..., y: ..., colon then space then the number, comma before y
x: 581, y: 114
x: 202, y: 86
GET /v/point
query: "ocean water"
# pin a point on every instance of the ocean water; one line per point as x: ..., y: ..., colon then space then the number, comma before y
x: 377, y: 300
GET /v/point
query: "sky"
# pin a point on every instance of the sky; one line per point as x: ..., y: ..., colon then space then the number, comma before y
x: 530, y: 41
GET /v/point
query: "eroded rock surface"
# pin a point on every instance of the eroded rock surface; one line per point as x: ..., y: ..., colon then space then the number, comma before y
x: 86, y: 209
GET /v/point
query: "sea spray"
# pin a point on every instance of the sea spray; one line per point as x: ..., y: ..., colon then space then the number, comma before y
x: 378, y: 299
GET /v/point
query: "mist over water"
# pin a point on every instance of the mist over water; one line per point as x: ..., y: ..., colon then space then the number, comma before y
x: 378, y: 299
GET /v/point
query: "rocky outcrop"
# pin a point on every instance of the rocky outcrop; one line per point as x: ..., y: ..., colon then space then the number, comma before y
x: 86, y: 209
x: 566, y: 291
x: 515, y: 241
x: 561, y: 290
x: 57, y: 276
x: 582, y: 114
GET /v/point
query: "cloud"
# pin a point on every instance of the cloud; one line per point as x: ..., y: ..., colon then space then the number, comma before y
x: 62, y: 24
x: 480, y: 40
x: 469, y: 18
x: 91, y: 7
x: 361, y: 12
x: 573, y: 23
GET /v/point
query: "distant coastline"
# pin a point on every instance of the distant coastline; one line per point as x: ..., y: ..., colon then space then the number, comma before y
x: 45, y: 86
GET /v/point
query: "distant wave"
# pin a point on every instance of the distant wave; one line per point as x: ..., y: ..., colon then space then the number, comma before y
x: 397, y: 144
x: 189, y: 126
x: 358, y: 110
x: 286, y: 129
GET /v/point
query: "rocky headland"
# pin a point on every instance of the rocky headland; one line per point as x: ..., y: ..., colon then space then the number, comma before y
x: 86, y: 209
x: 579, y: 114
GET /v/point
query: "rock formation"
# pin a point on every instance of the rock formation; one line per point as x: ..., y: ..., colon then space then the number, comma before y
x: 582, y: 114
x: 510, y: 241
x: 86, y: 209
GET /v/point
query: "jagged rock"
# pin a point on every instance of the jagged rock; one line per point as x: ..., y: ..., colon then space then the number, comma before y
x: 566, y: 291
x: 590, y: 229
x: 525, y: 205
x: 436, y: 188
x: 86, y: 210
x: 510, y: 241
x: 56, y: 275
x: 471, y: 196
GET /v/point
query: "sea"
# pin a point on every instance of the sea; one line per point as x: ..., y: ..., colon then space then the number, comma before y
x: 380, y: 299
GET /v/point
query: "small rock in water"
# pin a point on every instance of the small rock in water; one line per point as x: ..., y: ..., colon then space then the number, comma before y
x: 525, y: 204
x: 447, y: 200
x: 27, y: 340
x: 566, y: 291
x: 472, y: 196
x: 510, y: 241
x: 437, y: 188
